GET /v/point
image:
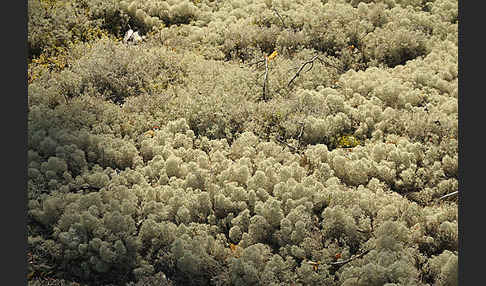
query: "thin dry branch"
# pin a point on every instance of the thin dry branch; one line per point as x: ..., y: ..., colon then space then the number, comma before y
x: 265, y: 60
x: 265, y: 80
x: 341, y: 263
x: 311, y: 63
x: 278, y: 15
x: 448, y: 195
x: 257, y: 62
x: 340, y: 70
x: 301, y: 133
x: 294, y: 149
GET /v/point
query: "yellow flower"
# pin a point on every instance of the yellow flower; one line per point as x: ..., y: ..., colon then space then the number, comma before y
x: 273, y: 55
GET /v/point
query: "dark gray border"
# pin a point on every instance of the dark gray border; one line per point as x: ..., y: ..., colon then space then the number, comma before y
x: 468, y: 269
x: 14, y: 136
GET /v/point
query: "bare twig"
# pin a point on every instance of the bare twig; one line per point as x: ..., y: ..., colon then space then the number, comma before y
x: 278, y: 15
x: 311, y: 63
x: 301, y: 132
x: 66, y: 98
x: 257, y: 62
x: 301, y: 68
x: 448, y: 195
x: 332, y: 66
x: 311, y: 66
x: 341, y: 263
x: 286, y: 144
x: 265, y: 79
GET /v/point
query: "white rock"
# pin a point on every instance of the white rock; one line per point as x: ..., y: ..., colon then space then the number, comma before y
x: 136, y: 37
x: 128, y: 35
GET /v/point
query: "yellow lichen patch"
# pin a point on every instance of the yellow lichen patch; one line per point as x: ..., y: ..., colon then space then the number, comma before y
x: 347, y: 141
x: 93, y: 34
x: 56, y: 62
x: 57, y: 58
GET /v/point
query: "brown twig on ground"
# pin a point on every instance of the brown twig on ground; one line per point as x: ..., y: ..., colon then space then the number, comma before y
x: 286, y: 144
x: 341, y: 263
x: 297, y: 149
x: 311, y: 63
